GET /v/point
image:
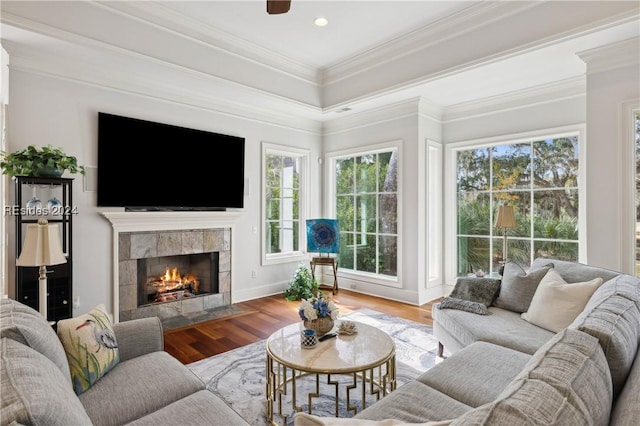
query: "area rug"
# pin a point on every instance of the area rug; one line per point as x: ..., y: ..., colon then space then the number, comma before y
x: 238, y: 376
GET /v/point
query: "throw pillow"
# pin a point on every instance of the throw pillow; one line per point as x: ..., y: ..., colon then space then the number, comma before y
x: 304, y: 419
x: 518, y: 287
x: 472, y: 295
x: 557, y: 303
x: 90, y: 345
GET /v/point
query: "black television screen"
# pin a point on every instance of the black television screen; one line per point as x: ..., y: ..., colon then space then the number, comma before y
x: 144, y: 165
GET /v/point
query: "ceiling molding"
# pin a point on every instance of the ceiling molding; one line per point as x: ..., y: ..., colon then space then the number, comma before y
x: 463, y: 22
x: 169, y: 20
x: 373, y: 117
x: 553, y: 92
x: 221, y: 96
x: 622, y: 54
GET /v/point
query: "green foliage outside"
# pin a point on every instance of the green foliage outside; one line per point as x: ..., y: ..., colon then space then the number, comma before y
x: 539, y: 179
x: 282, y: 189
x: 366, y: 208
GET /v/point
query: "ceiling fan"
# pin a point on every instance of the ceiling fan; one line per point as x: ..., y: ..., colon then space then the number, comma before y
x: 276, y: 7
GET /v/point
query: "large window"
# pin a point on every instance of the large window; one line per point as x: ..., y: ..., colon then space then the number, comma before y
x: 366, y: 201
x: 540, y: 179
x: 284, y: 209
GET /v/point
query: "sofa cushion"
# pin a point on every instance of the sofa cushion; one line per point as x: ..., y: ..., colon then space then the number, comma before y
x: 557, y: 303
x: 626, y: 410
x: 200, y: 408
x: 566, y: 382
x: 414, y: 402
x: 615, y: 321
x: 90, y: 346
x: 34, y: 390
x: 25, y: 325
x: 573, y: 272
x: 472, y: 295
x: 517, y: 287
x: 502, y: 327
x: 153, y: 381
x: 476, y: 374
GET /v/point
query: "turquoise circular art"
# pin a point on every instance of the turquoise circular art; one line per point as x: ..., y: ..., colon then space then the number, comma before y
x: 322, y: 235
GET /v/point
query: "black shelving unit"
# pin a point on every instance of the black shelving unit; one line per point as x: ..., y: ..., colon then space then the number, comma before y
x: 59, y: 277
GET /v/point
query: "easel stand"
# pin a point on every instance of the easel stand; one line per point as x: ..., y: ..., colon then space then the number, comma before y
x: 320, y: 260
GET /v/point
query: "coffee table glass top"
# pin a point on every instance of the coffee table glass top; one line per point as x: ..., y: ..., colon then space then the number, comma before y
x: 343, y: 353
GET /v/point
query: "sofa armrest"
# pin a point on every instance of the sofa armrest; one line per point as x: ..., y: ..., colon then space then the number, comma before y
x: 138, y: 337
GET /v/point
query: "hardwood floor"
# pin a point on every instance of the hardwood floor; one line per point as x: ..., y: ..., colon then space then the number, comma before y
x: 261, y: 317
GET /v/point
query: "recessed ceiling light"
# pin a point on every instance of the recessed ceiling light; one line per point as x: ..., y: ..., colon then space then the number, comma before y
x: 321, y: 22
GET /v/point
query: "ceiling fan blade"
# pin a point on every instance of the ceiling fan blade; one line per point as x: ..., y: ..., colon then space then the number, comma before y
x: 276, y: 7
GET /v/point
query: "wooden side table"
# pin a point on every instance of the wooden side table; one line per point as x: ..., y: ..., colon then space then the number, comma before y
x: 319, y: 260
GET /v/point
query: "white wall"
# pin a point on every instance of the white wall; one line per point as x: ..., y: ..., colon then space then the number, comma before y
x: 63, y: 112
x: 613, y: 81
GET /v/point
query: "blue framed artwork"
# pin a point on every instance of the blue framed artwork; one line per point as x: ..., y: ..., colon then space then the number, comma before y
x: 323, y: 235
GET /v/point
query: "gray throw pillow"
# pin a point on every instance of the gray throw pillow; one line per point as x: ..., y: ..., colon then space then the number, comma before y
x: 472, y: 295
x: 518, y: 287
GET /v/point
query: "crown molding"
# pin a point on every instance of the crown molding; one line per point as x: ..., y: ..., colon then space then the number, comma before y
x: 203, y: 57
x: 165, y: 18
x: 552, y: 92
x: 463, y: 22
x: 126, y: 76
x: 375, y: 116
x: 617, y: 55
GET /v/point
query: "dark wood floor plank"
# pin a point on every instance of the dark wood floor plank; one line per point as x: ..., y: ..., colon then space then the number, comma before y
x: 261, y: 317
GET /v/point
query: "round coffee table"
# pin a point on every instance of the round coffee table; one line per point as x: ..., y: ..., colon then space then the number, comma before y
x: 367, y: 358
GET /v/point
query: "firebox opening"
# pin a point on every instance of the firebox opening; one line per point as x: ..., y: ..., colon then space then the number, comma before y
x: 170, y: 278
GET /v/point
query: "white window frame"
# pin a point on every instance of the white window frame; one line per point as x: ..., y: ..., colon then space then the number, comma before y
x: 303, y: 156
x: 451, y: 207
x: 331, y: 157
x: 628, y: 161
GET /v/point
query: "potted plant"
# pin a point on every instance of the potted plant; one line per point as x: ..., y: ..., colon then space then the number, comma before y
x: 303, y: 285
x: 46, y: 161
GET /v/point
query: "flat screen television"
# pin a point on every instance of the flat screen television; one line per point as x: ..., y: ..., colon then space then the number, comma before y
x: 145, y: 165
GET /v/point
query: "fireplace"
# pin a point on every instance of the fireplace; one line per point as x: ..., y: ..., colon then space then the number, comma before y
x: 169, y: 278
x: 141, y: 235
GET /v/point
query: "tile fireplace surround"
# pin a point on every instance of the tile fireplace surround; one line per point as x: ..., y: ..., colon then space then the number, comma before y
x: 139, y: 235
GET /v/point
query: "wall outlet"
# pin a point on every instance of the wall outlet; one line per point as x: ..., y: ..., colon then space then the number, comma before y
x: 254, y: 274
x: 352, y: 286
x: 76, y: 302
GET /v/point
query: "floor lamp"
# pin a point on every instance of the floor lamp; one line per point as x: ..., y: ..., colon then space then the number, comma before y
x: 506, y: 219
x: 42, y: 247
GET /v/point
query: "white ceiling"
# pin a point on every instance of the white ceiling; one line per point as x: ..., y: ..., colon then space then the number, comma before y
x: 358, y: 32
x: 359, y: 27
x: 355, y: 26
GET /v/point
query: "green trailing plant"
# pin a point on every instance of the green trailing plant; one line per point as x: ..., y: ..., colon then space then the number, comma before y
x: 46, y: 161
x: 303, y: 285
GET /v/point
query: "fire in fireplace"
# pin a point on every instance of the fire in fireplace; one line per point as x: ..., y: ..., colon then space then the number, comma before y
x: 169, y: 278
x: 171, y: 286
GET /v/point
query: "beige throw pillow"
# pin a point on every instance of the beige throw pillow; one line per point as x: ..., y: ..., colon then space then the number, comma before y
x: 557, y: 303
x: 90, y: 345
x: 304, y: 419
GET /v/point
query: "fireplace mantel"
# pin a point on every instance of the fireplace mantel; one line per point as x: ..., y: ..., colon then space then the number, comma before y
x: 166, y: 220
x: 157, y: 221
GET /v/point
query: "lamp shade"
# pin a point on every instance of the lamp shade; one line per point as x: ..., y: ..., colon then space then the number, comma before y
x: 42, y: 245
x: 322, y: 235
x: 506, y: 217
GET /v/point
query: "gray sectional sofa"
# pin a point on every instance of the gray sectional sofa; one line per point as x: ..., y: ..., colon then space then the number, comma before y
x: 147, y: 387
x: 503, y: 370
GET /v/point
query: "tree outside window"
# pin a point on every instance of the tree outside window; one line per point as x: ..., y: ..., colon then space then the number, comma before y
x: 283, y: 209
x: 540, y: 179
x: 367, y: 211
